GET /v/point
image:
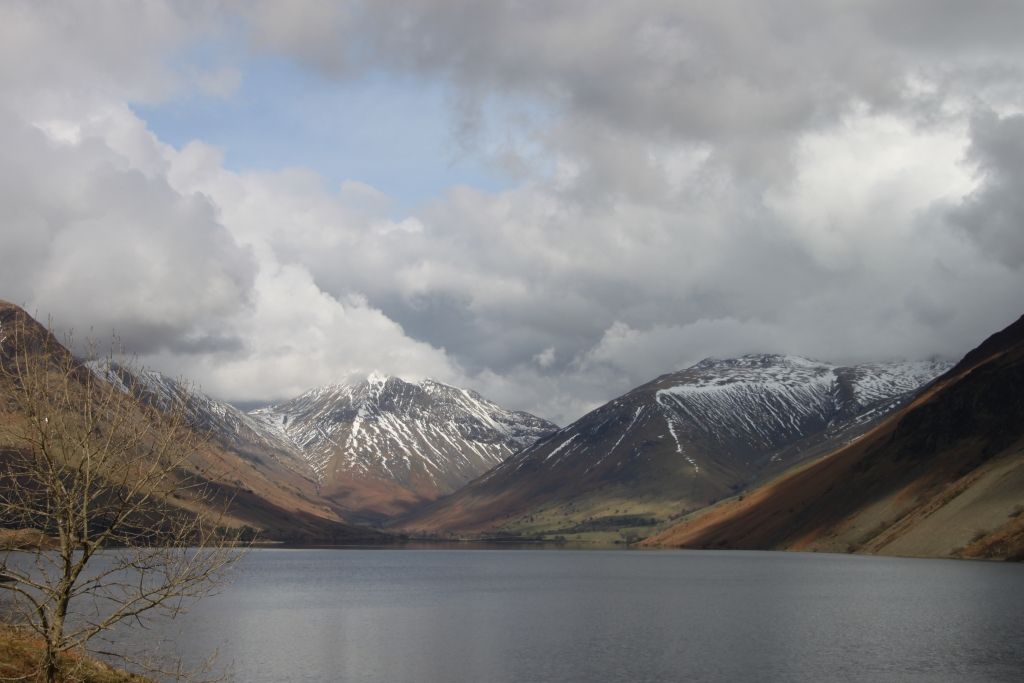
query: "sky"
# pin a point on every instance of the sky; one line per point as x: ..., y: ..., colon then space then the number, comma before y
x: 547, y: 202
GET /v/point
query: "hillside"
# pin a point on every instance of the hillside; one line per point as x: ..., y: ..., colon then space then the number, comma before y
x: 676, y: 444
x: 944, y: 476
x: 261, y: 484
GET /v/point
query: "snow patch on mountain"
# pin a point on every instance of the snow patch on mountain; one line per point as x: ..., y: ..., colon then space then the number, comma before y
x: 768, y: 401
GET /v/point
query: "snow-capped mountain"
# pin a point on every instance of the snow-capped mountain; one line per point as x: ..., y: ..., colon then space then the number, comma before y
x: 245, y: 435
x: 381, y: 444
x: 944, y: 476
x: 372, y: 447
x: 684, y: 440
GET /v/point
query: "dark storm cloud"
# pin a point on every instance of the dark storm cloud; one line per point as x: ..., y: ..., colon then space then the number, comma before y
x: 207, y: 343
x: 993, y: 215
x: 707, y: 71
x: 986, y: 28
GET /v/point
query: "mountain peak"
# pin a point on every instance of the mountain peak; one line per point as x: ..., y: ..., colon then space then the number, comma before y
x: 760, y: 360
x: 377, y: 378
x: 405, y: 441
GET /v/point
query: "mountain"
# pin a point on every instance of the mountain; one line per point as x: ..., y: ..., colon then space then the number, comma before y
x: 384, y: 445
x: 260, y: 480
x: 678, y: 443
x: 943, y: 476
x: 401, y: 441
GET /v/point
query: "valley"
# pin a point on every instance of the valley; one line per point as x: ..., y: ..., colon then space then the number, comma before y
x: 759, y: 451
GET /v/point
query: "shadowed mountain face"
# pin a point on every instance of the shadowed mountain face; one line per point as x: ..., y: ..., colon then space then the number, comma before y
x: 383, y: 445
x: 943, y: 476
x: 679, y: 442
x: 263, y: 482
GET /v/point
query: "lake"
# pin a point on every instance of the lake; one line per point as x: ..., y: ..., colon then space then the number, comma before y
x: 446, y: 616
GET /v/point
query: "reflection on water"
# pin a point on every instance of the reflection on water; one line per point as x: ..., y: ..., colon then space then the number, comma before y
x: 541, y: 615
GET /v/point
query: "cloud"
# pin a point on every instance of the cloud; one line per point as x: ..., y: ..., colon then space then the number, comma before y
x: 297, y: 337
x: 734, y: 70
x: 103, y: 236
x: 57, y: 55
x: 100, y: 245
x: 201, y: 284
x: 993, y: 215
x: 546, y: 358
x: 690, y: 180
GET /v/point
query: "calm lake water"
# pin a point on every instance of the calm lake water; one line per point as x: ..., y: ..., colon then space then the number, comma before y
x: 445, y: 616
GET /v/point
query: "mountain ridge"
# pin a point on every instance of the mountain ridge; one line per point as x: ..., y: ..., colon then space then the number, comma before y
x: 679, y: 442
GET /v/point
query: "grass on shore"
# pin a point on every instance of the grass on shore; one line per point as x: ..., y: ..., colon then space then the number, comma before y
x: 21, y: 656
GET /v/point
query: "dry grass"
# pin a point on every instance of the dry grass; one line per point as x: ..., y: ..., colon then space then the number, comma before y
x: 21, y: 659
x: 24, y: 539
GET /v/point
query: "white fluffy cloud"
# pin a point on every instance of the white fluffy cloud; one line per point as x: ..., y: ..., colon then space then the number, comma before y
x: 841, y: 181
x: 99, y: 244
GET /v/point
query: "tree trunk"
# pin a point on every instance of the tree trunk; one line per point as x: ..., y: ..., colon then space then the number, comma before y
x: 50, y: 664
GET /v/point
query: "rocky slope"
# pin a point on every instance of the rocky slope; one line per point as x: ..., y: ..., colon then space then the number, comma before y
x: 383, y: 445
x: 229, y: 426
x: 678, y: 443
x: 944, y: 476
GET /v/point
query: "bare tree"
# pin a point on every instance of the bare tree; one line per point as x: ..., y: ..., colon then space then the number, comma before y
x: 117, y: 488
